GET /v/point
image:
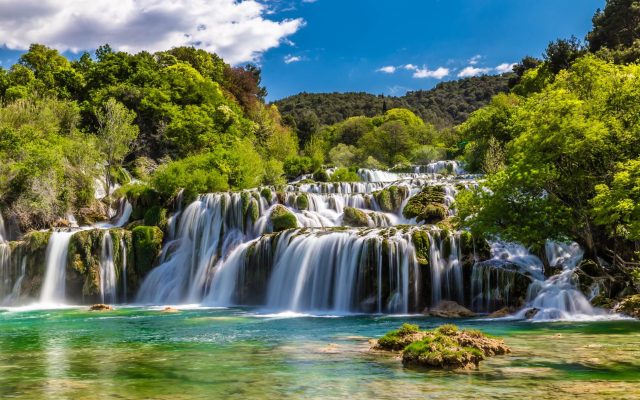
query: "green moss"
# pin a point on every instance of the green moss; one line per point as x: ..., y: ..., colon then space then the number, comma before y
x: 390, y: 199
x: 266, y: 193
x: 141, y: 197
x: 246, y: 199
x: 421, y: 244
x: 427, y: 206
x: 254, y: 210
x: 282, y: 219
x: 156, y: 216
x: 398, y: 339
x: 630, y: 305
x: 147, y: 243
x: 355, y: 217
x: 302, y: 202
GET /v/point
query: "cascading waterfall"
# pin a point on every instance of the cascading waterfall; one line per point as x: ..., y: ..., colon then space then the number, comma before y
x: 446, y: 271
x: 336, y: 271
x: 123, y: 257
x: 53, y: 288
x: 6, y: 273
x: 558, y: 297
x: 108, y: 280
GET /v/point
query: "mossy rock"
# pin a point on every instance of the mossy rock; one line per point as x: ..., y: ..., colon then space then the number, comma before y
x: 390, y: 199
x: 302, y: 202
x: 253, y: 211
x: 141, y: 197
x: 630, y: 306
x: 266, y: 193
x: 156, y: 216
x: 427, y: 206
x: 399, y: 339
x: 421, y: 244
x: 281, y: 219
x: 355, y: 217
x: 446, y: 347
x: 147, y: 243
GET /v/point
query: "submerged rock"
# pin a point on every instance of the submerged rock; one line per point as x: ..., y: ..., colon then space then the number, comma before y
x: 170, y: 310
x: 100, y: 307
x: 630, y: 306
x: 530, y: 313
x: 446, y: 347
x: 449, y: 309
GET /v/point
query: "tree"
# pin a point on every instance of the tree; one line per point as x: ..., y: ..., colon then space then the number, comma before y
x: 561, y: 53
x: 116, y: 132
x: 615, y: 27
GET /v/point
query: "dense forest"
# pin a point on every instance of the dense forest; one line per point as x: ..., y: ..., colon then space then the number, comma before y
x: 446, y: 105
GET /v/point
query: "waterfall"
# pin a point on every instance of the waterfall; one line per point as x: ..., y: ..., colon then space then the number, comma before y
x: 446, y: 269
x: 558, y: 297
x: 107, y: 271
x: 53, y: 288
x: 6, y: 273
x: 123, y: 249
x: 334, y: 271
x: 208, y: 228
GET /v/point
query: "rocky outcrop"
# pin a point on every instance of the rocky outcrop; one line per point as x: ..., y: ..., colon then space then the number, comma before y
x: 100, y: 307
x: 355, y: 217
x: 630, y: 306
x: 446, y: 347
x: 390, y: 199
x: 449, y: 309
x: 427, y: 206
x: 282, y: 219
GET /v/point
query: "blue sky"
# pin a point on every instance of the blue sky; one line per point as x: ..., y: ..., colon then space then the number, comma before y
x: 376, y: 46
x: 345, y: 42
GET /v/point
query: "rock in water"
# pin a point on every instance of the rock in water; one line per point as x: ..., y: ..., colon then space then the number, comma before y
x: 170, y: 310
x: 531, y: 313
x: 630, y: 306
x: 449, y: 309
x: 443, y: 348
x: 100, y: 307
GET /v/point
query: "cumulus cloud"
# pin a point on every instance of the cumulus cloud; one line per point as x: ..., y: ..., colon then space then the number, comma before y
x: 237, y: 31
x: 389, y: 69
x: 410, y: 67
x: 425, y: 72
x: 288, y: 59
x: 473, y: 71
x: 504, y: 68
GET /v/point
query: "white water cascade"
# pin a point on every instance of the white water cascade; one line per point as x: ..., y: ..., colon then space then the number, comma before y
x: 108, y: 279
x: 123, y: 249
x: 53, y: 288
x: 558, y: 298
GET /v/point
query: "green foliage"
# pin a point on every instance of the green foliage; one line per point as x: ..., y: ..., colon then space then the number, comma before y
x: 196, y: 174
x: 563, y: 144
x: 147, y: 243
x: 295, y: 166
x: 617, y: 205
x: 616, y: 27
x: 344, y: 175
x: 156, y: 216
x: 398, y: 339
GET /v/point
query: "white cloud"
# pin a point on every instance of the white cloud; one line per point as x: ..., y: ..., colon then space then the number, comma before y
x: 288, y: 59
x: 309, y: 1
x: 472, y: 71
x: 237, y: 31
x: 410, y: 67
x: 504, y: 68
x: 389, y: 69
x: 425, y: 72
x: 475, y: 59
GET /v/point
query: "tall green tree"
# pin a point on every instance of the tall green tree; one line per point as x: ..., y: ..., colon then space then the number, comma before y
x: 116, y: 133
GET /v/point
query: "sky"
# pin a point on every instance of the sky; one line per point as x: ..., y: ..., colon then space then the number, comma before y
x: 377, y: 46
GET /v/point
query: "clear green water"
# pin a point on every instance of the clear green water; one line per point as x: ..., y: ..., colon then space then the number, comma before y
x: 143, y: 353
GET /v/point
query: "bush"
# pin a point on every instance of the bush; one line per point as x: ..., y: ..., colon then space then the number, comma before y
x: 196, y: 175
x: 344, y: 175
x: 156, y: 216
x: 296, y: 166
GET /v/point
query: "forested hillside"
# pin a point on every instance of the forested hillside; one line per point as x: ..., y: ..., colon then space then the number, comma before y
x: 446, y: 105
